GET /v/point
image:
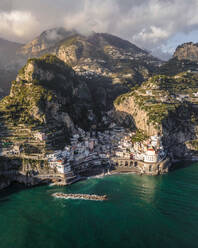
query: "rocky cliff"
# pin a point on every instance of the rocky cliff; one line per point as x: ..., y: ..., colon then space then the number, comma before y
x: 185, y: 58
x: 187, y: 51
x: 167, y: 106
x: 46, y: 95
x: 46, y: 104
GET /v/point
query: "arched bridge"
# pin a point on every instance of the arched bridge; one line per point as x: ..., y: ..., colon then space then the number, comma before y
x: 121, y: 162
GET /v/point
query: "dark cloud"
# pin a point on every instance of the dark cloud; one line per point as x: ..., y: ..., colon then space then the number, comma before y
x: 148, y: 23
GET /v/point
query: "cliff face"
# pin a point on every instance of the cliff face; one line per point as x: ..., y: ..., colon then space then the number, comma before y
x: 165, y: 106
x: 46, y: 95
x: 185, y: 59
x: 129, y: 112
x: 187, y: 51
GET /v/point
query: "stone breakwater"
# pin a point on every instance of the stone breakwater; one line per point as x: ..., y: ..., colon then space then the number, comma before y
x: 81, y: 196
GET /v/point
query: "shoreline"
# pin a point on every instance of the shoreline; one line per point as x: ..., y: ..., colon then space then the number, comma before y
x: 91, y: 176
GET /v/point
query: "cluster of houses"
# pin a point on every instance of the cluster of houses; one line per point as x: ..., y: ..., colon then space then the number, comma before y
x: 178, y: 97
x: 95, y: 149
x: 149, y: 151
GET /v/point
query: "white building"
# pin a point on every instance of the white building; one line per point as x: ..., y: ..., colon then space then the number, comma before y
x: 149, y: 92
x: 39, y: 136
x: 154, y: 140
x: 16, y: 149
x: 139, y: 156
x: 119, y: 153
x: 102, y: 155
x: 195, y: 94
x: 150, y: 156
x: 61, y: 166
x: 76, y: 136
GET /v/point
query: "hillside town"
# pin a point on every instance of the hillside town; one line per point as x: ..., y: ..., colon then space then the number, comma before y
x: 96, y: 149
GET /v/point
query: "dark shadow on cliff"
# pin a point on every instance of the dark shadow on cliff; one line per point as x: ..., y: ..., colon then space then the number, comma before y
x: 124, y: 119
x: 178, y: 129
x: 104, y: 91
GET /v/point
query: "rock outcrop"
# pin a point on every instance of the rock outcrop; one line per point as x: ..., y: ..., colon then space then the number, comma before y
x: 167, y: 106
x: 187, y: 51
x: 47, y: 95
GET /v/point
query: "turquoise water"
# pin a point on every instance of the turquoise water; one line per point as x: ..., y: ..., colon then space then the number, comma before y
x: 142, y: 211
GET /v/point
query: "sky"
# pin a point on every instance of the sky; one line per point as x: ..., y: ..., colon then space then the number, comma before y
x: 155, y: 25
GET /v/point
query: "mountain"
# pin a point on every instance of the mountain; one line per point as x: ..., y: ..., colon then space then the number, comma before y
x: 109, y: 64
x: 175, y: 66
x: 8, y: 50
x: 8, y: 67
x: 79, y: 50
x: 185, y: 58
x: 187, y: 51
x: 45, y: 41
x: 46, y: 97
x: 167, y: 106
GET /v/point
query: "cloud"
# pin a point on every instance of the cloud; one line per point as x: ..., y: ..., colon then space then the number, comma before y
x: 17, y: 24
x: 53, y: 35
x: 98, y: 16
x: 148, y: 23
x: 153, y: 34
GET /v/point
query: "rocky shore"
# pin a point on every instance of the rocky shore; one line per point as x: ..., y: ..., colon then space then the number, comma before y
x: 81, y: 196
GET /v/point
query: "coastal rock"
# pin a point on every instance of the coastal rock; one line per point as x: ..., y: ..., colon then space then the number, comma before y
x: 81, y: 196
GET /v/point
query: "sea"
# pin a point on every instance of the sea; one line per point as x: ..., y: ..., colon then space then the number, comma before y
x: 141, y: 212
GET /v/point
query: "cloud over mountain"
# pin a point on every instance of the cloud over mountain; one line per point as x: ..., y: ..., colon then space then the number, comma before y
x: 148, y: 23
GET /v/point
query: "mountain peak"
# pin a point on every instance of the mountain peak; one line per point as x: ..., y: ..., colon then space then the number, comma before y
x: 48, y: 71
x: 187, y: 51
x: 46, y: 40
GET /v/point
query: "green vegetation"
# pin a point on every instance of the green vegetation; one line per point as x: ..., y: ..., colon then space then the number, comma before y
x: 120, y: 99
x: 175, y: 66
x: 30, y: 106
x: 70, y: 41
x: 158, y: 96
x: 47, y: 59
x: 58, y: 70
x: 139, y: 136
x: 194, y: 144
